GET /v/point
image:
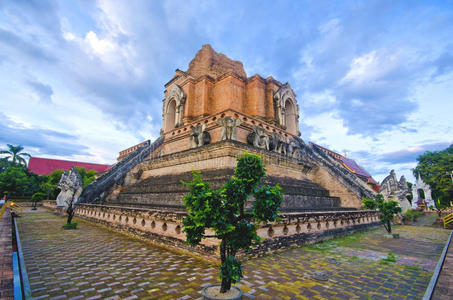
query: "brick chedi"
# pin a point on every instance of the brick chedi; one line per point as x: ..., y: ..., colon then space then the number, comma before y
x: 211, y: 114
x: 215, y: 87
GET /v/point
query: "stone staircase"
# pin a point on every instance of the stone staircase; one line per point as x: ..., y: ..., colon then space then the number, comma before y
x: 99, y: 189
x: 337, y: 170
x: 166, y: 192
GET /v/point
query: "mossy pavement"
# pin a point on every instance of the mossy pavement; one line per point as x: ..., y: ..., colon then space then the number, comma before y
x: 95, y: 263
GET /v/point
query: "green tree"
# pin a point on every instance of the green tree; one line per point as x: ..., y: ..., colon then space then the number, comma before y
x: 35, y: 182
x: 409, y: 194
x: 223, y: 211
x: 387, y: 209
x: 435, y: 169
x: 49, y: 189
x: 38, y: 196
x: 4, y: 164
x: 14, y: 181
x: 16, y: 154
x: 55, y: 176
x: 17, y: 180
x: 51, y: 185
x: 87, y: 176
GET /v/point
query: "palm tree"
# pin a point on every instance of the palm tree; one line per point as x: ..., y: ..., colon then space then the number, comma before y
x: 15, y: 154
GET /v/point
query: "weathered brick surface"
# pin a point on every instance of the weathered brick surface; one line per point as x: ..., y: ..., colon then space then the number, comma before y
x: 168, y: 191
x: 6, y: 262
x: 209, y: 62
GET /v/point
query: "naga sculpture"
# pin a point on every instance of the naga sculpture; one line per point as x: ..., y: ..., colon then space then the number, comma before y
x: 71, y: 188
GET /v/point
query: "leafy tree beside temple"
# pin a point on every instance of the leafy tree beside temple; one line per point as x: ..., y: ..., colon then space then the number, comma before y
x: 223, y: 211
x: 387, y: 209
x: 435, y: 168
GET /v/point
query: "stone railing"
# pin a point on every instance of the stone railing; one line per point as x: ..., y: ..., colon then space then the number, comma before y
x: 52, y: 204
x: 165, y: 227
x: 337, y: 170
x: 99, y: 189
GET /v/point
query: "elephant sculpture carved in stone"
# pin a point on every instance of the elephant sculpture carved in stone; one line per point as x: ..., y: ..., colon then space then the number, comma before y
x: 199, y: 136
x: 229, y: 125
x: 259, y: 138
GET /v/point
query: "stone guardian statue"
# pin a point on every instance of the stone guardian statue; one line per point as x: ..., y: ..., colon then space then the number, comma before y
x: 71, y: 188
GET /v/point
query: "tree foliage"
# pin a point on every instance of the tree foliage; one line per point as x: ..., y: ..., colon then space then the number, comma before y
x: 14, y: 180
x: 38, y: 196
x: 87, y: 176
x: 15, y: 154
x: 17, y: 180
x: 435, y: 168
x: 387, y: 209
x: 223, y: 211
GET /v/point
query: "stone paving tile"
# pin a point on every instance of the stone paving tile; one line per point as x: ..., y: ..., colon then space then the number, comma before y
x: 93, y: 263
x: 444, y: 286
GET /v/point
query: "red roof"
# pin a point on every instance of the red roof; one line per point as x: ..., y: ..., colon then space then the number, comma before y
x: 350, y: 164
x: 357, y: 169
x: 46, y: 166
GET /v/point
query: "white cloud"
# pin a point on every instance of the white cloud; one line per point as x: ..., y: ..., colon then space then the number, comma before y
x: 363, y: 72
x: 99, y: 46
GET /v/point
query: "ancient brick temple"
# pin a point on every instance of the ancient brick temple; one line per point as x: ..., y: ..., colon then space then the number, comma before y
x: 212, y: 113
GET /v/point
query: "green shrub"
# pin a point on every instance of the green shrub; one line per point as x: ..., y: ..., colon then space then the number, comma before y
x: 390, y: 258
x: 412, y: 215
x: 38, y: 196
x: 387, y: 209
x: 72, y: 225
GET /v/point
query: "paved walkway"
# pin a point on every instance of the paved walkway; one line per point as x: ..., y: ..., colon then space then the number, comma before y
x: 6, y: 258
x: 444, y: 286
x: 93, y: 262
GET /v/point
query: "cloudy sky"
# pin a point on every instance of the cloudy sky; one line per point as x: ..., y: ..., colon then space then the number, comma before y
x: 82, y: 80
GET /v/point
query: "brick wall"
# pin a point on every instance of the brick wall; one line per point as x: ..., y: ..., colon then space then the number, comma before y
x: 166, y: 227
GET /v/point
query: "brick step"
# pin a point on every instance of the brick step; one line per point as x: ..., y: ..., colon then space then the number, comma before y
x: 216, y: 178
x: 290, y: 202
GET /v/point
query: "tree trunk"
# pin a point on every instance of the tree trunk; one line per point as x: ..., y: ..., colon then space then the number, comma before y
x: 70, y: 211
x: 226, y: 282
x: 389, y: 227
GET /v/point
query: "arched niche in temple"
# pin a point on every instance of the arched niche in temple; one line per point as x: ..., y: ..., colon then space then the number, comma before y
x: 173, y: 107
x: 286, y: 109
x: 170, y: 115
x: 290, y: 117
